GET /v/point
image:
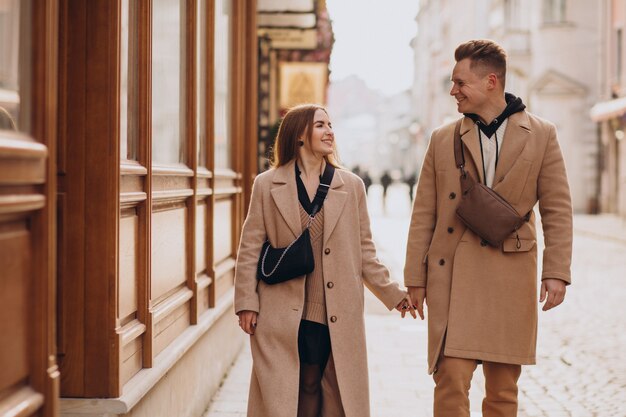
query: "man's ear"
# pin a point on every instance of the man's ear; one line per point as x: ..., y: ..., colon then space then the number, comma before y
x: 492, y: 81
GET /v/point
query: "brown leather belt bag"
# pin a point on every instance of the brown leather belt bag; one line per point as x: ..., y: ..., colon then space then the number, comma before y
x: 481, y: 209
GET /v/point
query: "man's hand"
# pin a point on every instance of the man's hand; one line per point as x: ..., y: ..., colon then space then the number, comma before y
x: 555, y: 288
x: 418, y: 295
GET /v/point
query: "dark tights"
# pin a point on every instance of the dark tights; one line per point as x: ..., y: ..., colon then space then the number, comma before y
x: 310, y: 396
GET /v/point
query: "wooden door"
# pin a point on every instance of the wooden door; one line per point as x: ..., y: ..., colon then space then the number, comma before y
x: 29, y: 377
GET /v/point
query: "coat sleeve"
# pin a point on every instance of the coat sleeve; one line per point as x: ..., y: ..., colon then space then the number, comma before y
x: 555, y: 206
x: 253, y: 235
x: 375, y: 274
x: 423, y: 220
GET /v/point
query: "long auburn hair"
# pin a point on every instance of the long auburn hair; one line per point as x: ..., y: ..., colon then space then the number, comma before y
x: 296, y: 121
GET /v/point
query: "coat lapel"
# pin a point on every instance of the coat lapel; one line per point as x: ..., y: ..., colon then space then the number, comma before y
x: 333, y: 206
x: 285, y: 196
x: 469, y: 137
x: 515, y: 139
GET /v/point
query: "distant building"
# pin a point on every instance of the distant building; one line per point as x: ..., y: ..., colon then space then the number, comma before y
x: 374, y: 132
x: 610, y: 111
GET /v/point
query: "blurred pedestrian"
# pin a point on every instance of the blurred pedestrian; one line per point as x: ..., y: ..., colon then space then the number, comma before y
x: 367, y: 180
x: 385, y: 181
x: 482, y: 294
x: 301, y: 328
x: 410, y: 181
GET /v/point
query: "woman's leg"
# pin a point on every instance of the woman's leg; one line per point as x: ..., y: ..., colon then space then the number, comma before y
x: 331, y: 398
x: 310, y: 396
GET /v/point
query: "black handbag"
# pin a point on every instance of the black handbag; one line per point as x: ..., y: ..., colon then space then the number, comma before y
x: 278, y: 265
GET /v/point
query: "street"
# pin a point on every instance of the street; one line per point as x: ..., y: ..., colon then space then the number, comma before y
x: 581, y: 354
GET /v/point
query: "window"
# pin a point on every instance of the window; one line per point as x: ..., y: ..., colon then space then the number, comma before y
x: 128, y: 80
x: 222, y: 83
x: 554, y: 11
x: 201, y: 71
x: 515, y: 15
x: 15, y: 56
x: 168, y: 81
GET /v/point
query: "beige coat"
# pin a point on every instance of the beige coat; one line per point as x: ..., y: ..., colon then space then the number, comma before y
x: 349, y: 261
x: 486, y: 298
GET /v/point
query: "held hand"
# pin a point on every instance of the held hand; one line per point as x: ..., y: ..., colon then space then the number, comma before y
x: 406, y: 305
x: 419, y: 295
x: 247, y: 321
x: 556, y: 293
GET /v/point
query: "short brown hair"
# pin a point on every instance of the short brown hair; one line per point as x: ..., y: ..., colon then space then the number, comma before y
x: 483, y: 53
x: 296, y: 121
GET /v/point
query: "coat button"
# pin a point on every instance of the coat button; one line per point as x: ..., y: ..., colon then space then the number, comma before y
x: 452, y: 196
x: 450, y: 229
x: 330, y: 284
x: 327, y: 251
x: 442, y: 262
x: 483, y: 243
x: 333, y: 319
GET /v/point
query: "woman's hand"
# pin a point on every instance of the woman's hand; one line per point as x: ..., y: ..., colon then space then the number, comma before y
x: 406, y: 305
x: 247, y: 321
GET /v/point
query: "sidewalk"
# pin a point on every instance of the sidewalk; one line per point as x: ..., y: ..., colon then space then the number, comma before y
x: 581, y: 356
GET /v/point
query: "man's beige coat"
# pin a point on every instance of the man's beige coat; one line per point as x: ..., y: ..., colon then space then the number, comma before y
x: 349, y: 262
x: 484, y: 299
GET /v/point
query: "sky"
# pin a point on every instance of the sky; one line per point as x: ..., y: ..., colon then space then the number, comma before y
x: 372, y: 41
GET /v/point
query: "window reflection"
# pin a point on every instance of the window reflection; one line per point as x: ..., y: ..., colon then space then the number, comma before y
x: 222, y: 83
x: 168, y: 81
x: 128, y: 80
x: 201, y: 82
x: 15, y: 64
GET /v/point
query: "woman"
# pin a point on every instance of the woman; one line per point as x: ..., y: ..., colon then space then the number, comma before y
x: 308, y: 334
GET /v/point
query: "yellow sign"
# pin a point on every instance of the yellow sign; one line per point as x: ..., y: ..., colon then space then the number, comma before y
x: 302, y: 82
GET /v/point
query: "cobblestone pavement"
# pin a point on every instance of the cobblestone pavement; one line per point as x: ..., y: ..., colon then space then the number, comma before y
x: 581, y: 355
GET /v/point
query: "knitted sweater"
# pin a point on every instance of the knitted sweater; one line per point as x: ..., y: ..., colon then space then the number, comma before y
x: 314, y: 296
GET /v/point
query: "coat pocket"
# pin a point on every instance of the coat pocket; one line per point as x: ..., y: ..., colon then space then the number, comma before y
x: 517, y: 245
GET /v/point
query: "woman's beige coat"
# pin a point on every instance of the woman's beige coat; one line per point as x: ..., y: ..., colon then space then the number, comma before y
x: 485, y: 297
x: 349, y: 262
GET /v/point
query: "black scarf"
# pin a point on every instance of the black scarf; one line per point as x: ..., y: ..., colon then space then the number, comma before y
x: 513, y: 105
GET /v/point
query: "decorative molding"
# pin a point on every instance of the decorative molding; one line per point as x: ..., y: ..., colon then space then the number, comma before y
x: 132, y: 198
x: 171, y: 195
x: 225, y: 266
x: 203, y: 281
x: 23, y: 401
x: 226, y: 191
x: 18, y: 145
x: 222, y: 173
x: 21, y: 203
x: 132, y: 168
x: 178, y: 170
x: 131, y: 331
x: 142, y: 382
x: 171, y: 303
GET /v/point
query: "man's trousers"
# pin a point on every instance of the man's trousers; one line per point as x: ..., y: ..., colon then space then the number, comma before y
x: 452, y: 383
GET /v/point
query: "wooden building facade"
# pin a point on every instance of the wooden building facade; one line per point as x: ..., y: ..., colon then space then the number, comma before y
x: 124, y: 179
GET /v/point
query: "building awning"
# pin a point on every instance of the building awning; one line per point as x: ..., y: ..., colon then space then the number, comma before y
x: 606, y: 110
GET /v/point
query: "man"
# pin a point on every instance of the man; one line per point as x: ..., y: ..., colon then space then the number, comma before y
x: 482, y: 300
